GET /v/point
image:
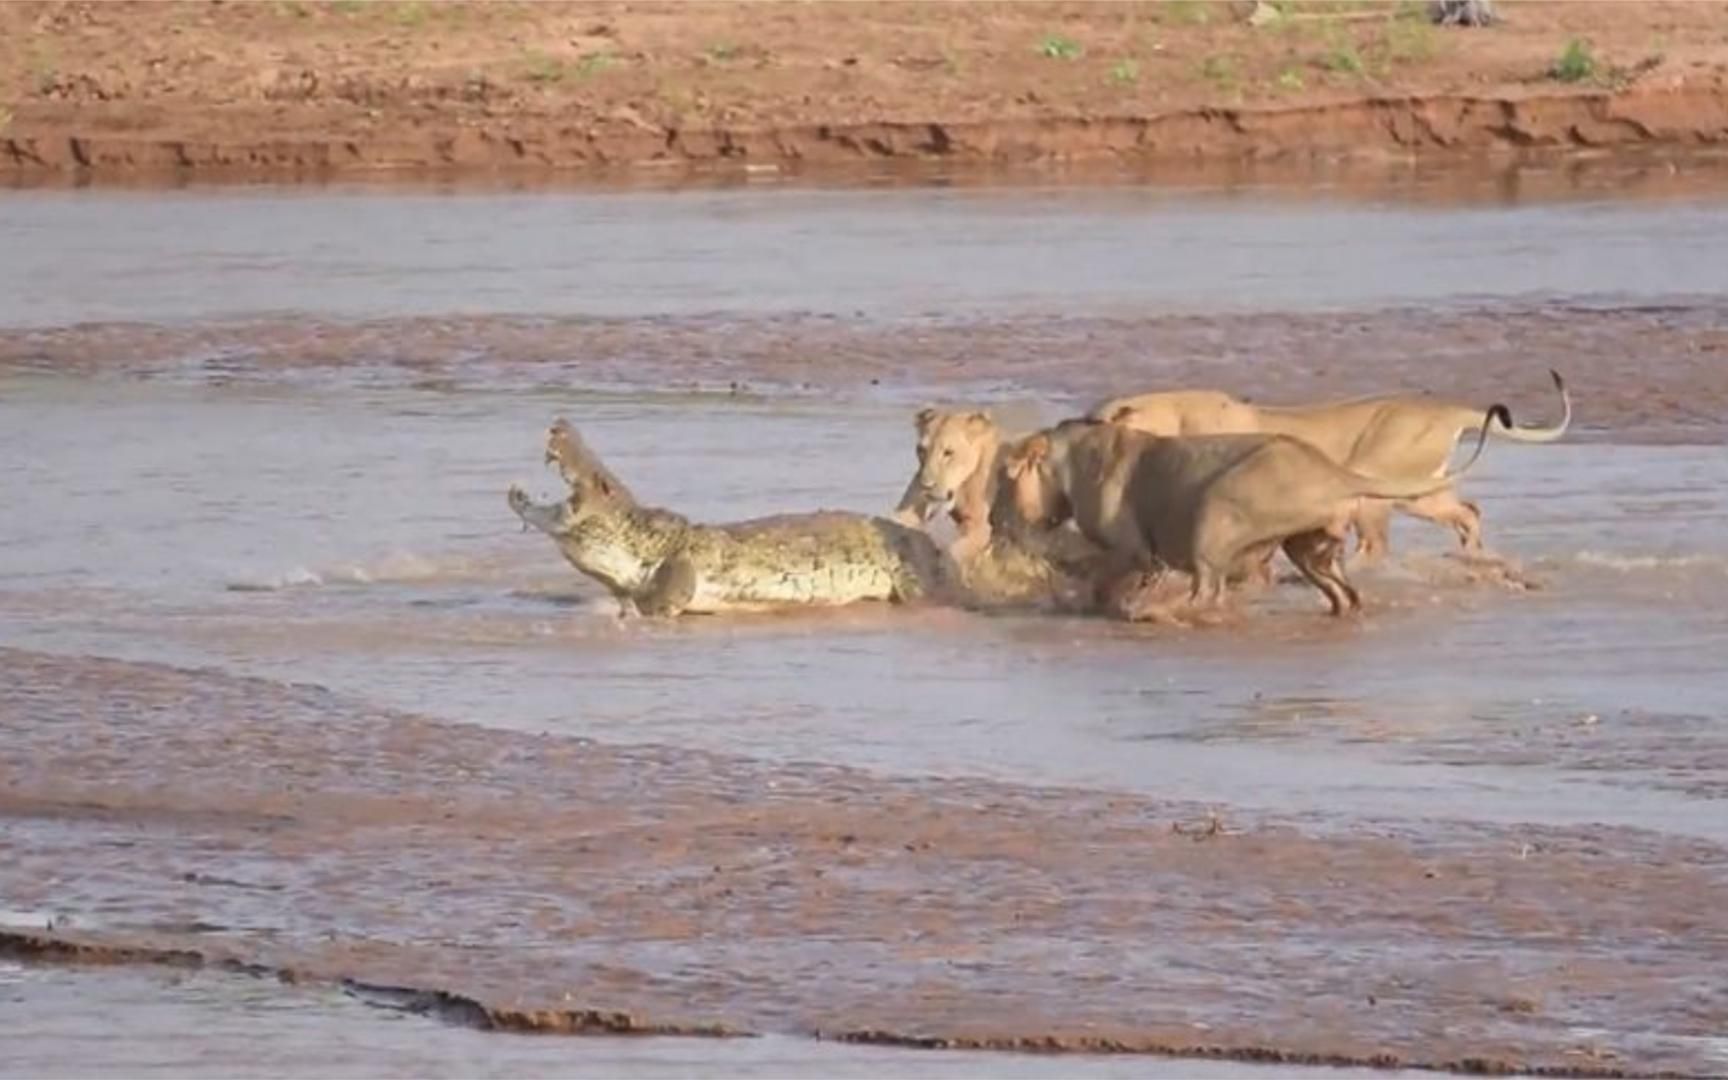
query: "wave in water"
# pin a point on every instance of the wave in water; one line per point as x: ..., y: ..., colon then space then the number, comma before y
x: 1708, y: 563
x: 395, y: 568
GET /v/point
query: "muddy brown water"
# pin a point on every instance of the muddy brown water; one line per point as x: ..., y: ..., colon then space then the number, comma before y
x: 263, y: 435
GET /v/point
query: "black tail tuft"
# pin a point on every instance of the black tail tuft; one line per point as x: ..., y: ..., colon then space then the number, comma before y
x: 1501, y: 413
x: 1559, y: 383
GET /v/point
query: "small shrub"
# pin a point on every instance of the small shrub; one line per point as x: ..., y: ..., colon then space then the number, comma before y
x: 1576, y: 63
x: 1128, y: 71
x: 543, y: 68
x: 1407, y: 40
x: 1219, y: 71
x: 1184, y: 12
x: 1269, y: 13
x: 1343, y: 57
x: 1060, y: 48
x: 594, y: 63
x: 721, y: 51
x: 1290, y: 79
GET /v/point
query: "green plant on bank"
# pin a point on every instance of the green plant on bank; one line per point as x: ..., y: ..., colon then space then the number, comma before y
x: 1342, y: 56
x: 1125, y: 72
x: 410, y: 13
x: 42, y: 61
x: 1270, y: 13
x: 293, y: 9
x: 1576, y: 63
x: 545, y: 68
x: 1057, y: 47
x: 1220, y: 71
x: 721, y: 51
x: 594, y: 63
x: 1290, y: 79
x: 347, y: 7
x: 1183, y: 12
x: 1408, y: 41
x: 6, y: 115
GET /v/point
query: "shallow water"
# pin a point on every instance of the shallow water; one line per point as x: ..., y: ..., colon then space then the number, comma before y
x: 344, y: 525
x: 200, y: 254
x: 360, y: 541
x: 157, y: 1024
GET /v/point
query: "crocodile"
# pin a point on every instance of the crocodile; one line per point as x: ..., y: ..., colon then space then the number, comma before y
x: 657, y: 562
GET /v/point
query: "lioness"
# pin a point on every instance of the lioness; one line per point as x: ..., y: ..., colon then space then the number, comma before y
x: 1392, y: 436
x: 960, y: 456
x: 1208, y: 505
x: 958, y: 466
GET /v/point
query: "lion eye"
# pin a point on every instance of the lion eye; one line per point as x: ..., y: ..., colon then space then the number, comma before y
x: 948, y: 453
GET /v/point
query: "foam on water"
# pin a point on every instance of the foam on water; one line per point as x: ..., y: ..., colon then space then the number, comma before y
x: 394, y: 568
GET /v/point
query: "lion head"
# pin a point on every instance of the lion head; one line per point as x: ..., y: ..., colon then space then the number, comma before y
x: 1038, y: 499
x: 953, y: 447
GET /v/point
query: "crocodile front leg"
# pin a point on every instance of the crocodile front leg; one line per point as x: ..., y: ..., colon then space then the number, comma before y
x: 671, y: 588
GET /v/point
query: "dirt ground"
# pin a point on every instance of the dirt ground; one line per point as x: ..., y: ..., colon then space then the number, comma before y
x: 297, y: 86
x: 536, y: 882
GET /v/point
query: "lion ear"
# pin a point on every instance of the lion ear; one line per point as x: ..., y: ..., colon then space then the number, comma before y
x: 926, y: 416
x: 1029, y: 454
x: 980, y: 420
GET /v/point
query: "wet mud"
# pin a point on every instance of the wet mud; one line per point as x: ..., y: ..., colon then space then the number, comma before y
x: 539, y: 882
x: 1475, y: 352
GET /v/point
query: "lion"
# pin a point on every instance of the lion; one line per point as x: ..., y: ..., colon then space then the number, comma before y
x: 1208, y: 505
x: 1390, y: 436
x: 960, y: 456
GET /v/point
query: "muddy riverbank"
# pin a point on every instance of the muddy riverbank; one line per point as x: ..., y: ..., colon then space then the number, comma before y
x: 305, y: 88
x: 548, y: 876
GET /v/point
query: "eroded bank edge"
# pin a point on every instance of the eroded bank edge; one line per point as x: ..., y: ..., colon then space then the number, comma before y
x: 457, y: 1008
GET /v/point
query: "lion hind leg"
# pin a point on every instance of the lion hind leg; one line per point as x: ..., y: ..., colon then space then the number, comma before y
x: 1318, y: 555
x: 1373, y: 525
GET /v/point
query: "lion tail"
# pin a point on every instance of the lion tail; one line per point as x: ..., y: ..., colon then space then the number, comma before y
x: 1505, y: 429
